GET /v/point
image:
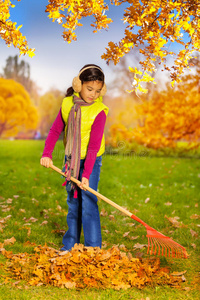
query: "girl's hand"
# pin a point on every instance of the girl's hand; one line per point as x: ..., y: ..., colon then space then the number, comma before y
x: 84, y: 181
x: 46, y: 162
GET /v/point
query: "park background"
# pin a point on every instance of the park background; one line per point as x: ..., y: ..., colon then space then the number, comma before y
x: 151, y: 165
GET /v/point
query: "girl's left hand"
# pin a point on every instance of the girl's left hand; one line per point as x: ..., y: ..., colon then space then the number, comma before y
x: 84, y: 181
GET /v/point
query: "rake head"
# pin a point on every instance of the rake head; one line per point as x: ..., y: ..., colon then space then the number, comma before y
x: 162, y: 245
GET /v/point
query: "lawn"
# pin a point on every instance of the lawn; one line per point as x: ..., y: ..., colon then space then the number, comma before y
x: 162, y: 191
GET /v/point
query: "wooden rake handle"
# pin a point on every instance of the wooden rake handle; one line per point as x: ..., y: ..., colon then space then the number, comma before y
x: 123, y: 210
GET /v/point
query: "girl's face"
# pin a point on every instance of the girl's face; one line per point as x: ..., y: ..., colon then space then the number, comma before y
x: 90, y: 90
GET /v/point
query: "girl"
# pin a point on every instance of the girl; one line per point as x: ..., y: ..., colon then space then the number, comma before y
x: 82, y: 117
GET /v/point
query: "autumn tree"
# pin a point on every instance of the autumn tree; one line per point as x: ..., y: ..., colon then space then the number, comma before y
x: 17, y: 113
x: 153, y: 25
x: 20, y: 71
x: 48, y: 109
x: 161, y: 118
x: 162, y: 123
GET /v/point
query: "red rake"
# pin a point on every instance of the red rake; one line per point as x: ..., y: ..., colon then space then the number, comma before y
x: 157, y: 242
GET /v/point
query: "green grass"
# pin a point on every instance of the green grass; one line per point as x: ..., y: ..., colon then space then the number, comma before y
x: 127, y: 180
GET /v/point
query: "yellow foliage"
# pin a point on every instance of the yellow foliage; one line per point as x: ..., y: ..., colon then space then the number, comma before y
x: 163, y: 122
x: 75, y: 11
x: 9, y: 32
x: 87, y: 267
x: 154, y: 26
x: 16, y: 110
x: 120, y: 122
x: 151, y: 25
x: 48, y: 109
x: 158, y: 120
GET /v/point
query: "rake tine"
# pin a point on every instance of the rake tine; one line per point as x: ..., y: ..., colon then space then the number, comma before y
x: 158, y: 246
x: 174, y: 251
x: 152, y: 244
x: 148, y: 247
x: 155, y: 246
x: 166, y: 247
x: 179, y: 250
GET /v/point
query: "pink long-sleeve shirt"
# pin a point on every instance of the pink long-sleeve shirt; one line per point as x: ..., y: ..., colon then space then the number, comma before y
x: 96, y: 135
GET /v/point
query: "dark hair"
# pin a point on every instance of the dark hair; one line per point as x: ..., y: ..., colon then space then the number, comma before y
x: 91, y: 74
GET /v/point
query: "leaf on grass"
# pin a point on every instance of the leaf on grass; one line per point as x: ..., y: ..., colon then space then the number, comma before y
x: 9, y: 200
x: 126, y: 234
x: 147, y: 200
x: 139, y: 246
x: 31, y: 219
x: 59, y: 208
x: 194, y: 246
x: 3, y: 220
x: 6, y: 209
x: 178, y: 273
x: 111, y: 217
x: 193, y: 233
x: 16, y: 283
x: 28, y: 230
x: 174, y: 221
x: 34, y: 200
x: 131, y: 224
x: 134, y: 237
x: 103, y: 213
x: 195, y: 217
x: 44, y: 223
x: 59, y: 231
x: 29, y: 244
x: 168, y: 203
x: 9, y: 241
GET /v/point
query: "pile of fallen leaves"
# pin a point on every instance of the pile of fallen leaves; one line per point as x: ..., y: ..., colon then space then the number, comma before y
x: 87, y: 267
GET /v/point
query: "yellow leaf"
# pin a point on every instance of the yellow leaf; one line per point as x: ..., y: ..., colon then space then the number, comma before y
x: 31, y: 52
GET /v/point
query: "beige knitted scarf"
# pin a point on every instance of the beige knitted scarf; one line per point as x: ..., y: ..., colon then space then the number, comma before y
x: 73, y: 145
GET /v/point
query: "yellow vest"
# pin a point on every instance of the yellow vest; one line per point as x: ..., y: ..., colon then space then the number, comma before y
x: 88, y: 115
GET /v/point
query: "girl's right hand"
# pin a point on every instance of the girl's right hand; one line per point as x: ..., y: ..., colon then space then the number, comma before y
x: 46, y: 162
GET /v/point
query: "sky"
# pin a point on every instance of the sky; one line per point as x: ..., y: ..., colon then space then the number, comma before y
x: 56, y: 62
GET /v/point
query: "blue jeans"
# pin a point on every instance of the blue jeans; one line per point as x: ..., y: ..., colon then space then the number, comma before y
x: 84, y: 211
